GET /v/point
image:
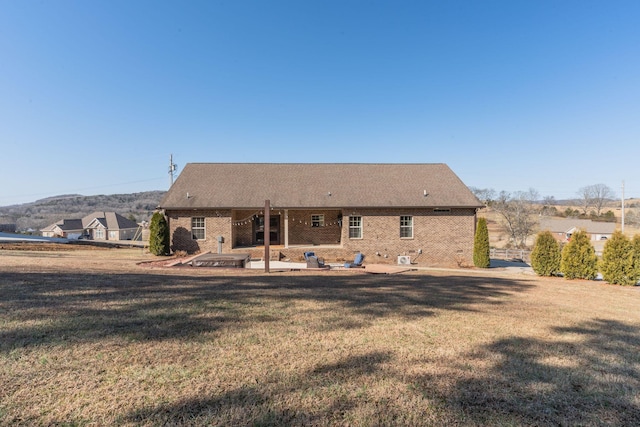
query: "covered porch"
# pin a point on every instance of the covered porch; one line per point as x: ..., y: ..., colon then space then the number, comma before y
x: 288, y: 228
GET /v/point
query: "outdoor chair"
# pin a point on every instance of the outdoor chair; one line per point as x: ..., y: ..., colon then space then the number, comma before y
x: 315, y: 262
x: 357, y: 262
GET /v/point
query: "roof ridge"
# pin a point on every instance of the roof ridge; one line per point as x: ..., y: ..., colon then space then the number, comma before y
x: 315, y: 163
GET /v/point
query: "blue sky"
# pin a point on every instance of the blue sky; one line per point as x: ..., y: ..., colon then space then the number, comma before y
x: 512, y: 95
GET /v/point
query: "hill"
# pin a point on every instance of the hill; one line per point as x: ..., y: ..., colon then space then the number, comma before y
x: 43, y: 212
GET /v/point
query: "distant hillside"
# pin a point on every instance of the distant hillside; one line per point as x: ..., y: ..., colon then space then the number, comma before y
x: 41, y: 213
x: 62, y: 196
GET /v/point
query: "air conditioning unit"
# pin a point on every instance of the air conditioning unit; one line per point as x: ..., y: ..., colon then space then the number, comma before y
x: 404, y: 260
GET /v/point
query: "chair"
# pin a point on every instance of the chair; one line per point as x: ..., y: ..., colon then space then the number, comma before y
x: 315, y: 262
x: 357, y: 262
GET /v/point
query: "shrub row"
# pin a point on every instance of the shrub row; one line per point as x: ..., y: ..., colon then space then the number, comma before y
x: 620, y: 263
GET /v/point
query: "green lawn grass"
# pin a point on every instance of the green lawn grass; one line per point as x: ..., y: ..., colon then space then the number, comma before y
x: 113, y: 343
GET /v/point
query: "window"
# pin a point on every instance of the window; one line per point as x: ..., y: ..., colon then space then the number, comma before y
x: 406, y: 227
x: 99, y: 233
x: 317, y: 220
x: 355, y: 227
x: 197, y: 228
x: 113, y: 235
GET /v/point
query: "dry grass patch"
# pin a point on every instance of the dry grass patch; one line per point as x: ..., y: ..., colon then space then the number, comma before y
x: 93, y: 339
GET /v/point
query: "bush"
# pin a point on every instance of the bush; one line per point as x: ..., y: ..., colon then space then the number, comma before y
x: 158, y: 235
x: 617, y: 260
x: 579, y: 260
x: 545, y: 257
x: 481, y: 250
x: 635, y: 244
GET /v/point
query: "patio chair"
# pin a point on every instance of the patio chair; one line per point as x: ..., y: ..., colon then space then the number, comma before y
x: 357, y: 262
x: 315, y: 262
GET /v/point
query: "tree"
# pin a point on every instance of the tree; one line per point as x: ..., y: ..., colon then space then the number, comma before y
x: 519, y: 214
x: 485, y: 195
x: 481, y: 250
x: 617, y: 261
x: 594, y: 196
x: 158, y: 235
x: 579, y: 259
x: 548, y: 208
x: 631, y: 217
x: 545, y: 257
x: 635, y: 244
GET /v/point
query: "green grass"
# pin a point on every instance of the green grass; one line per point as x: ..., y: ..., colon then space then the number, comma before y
x: 131, y: 346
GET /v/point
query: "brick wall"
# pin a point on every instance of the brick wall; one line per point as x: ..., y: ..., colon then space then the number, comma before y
x: 217, y: 223
x: 243, y: 227
x: 445, y: 238
x: 302, y: 231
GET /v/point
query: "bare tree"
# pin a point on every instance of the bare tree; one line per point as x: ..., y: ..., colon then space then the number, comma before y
x: 548, y: 206
x: 586, y: 198
x: 519, y: 214
x: 485, y: 195
x: 594, y: 196
x: 601, y: 195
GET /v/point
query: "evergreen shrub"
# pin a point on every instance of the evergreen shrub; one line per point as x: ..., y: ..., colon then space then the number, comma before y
x: 481, y: 250
x: 617, y: 260
x: 158, y: 235
x: 545, y: 257
x: 579, y: 259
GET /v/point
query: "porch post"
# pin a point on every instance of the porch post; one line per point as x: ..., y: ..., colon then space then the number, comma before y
x: 286, y: 228
x: 267, y: 234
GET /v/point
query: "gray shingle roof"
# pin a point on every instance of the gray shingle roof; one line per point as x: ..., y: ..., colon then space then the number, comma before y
x: 65, y: 225
x: 563, y: 225
x: 317, y: 185
x: 110, y: 220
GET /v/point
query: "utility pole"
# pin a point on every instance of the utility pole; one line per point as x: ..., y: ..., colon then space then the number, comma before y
x: 172, y: 168
x: 622, y: 207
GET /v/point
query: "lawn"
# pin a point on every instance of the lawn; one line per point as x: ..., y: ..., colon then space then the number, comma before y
x: 92, y: 338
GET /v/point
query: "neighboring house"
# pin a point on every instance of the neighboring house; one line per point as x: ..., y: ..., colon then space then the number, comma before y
x: 563, y: 228
x: 64, y: 228
x: 422, y: 212
x: 96, y: 226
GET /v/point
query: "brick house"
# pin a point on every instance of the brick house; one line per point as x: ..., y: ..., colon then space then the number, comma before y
x: 421, y: 212
x: 95, y: 226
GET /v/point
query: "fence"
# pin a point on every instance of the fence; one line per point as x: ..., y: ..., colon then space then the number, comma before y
x: 522, y: 254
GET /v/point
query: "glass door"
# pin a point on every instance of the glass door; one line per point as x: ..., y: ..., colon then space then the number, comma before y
x: 274, y: 230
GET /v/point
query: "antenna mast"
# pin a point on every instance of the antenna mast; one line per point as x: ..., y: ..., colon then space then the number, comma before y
x: 172, y: 168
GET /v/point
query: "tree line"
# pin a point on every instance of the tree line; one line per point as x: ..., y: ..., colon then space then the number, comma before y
x: 519, y: 211
x: 576, y: 259
x: 41, y: 213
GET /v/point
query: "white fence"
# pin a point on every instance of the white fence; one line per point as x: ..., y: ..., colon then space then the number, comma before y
x: 522, y: 254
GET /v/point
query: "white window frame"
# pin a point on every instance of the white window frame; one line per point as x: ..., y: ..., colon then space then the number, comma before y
x: 355, y: 227
x: 98, y: 233
x: 196, y: 226
x: 317, y: 220
x: 406, y: 227
x: 113, y: 235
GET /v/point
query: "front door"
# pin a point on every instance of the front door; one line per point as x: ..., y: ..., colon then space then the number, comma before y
x: 274, y: 230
